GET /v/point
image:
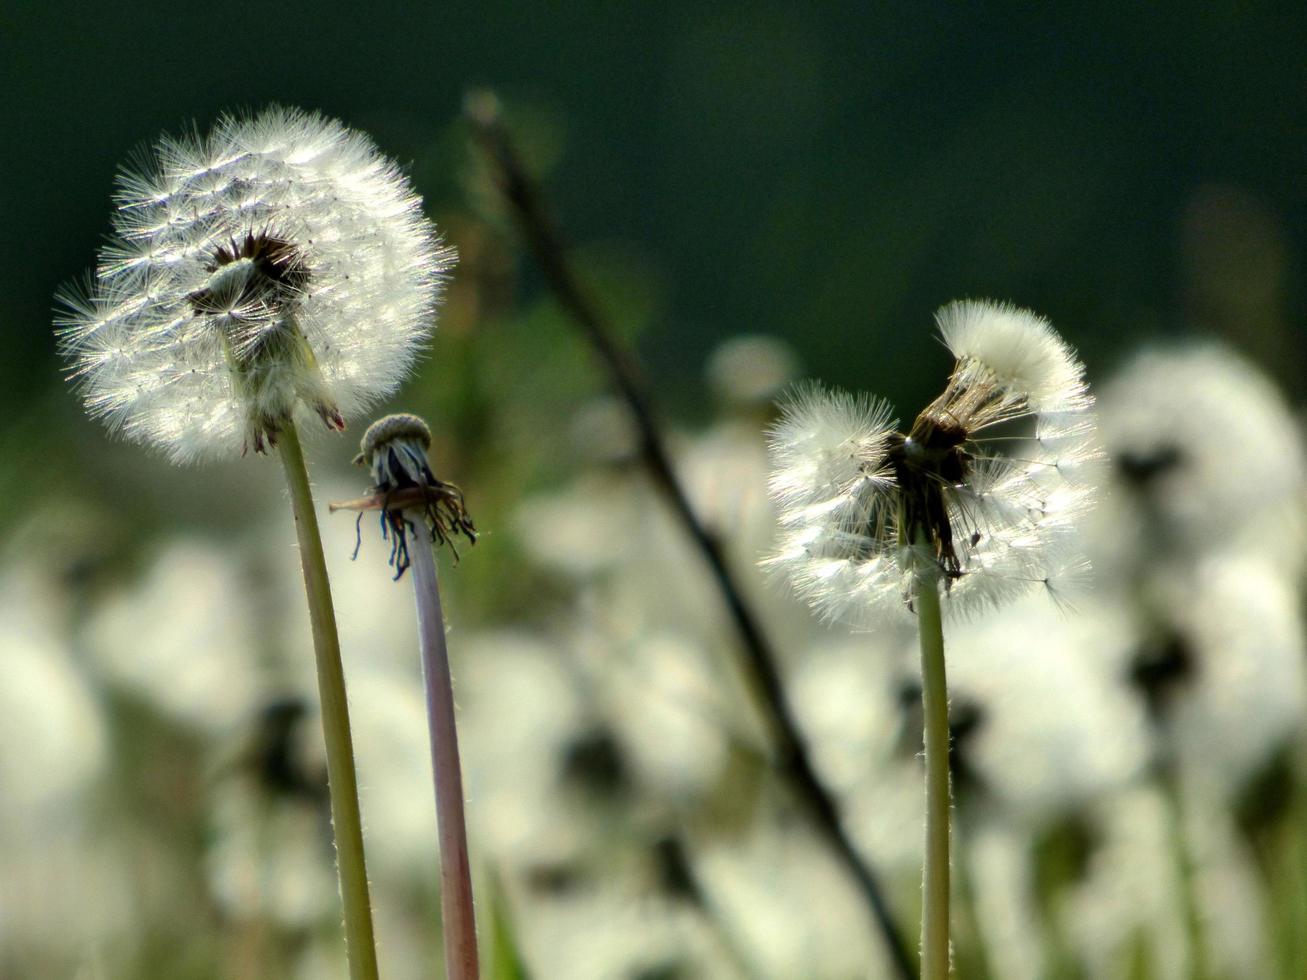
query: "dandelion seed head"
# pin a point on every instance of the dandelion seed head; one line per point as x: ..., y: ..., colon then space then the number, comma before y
x: 1206, y: 454
x: 1242, y: 690
x: 276, y: 267
x: 982, y: 492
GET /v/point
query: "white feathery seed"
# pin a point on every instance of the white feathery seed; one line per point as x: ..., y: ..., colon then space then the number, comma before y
x: 278, y: 267
x: 1021, y: 349
x: 992, y: 476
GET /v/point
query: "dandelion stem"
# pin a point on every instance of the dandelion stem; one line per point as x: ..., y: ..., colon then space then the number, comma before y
x: 934, y: 703
x: 793, y: 759
x: 1186, y: 871
x: 345, y: 818
x: 457, y: 916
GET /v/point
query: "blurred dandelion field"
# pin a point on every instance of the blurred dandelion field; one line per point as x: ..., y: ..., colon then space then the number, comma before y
x: 1129, y: 769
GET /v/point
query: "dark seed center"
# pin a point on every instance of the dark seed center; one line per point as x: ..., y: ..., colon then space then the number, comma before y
x: 278, y: 273
x: 931, y: 458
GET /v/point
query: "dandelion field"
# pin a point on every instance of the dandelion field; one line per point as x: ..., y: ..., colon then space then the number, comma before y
x: 689, y: 710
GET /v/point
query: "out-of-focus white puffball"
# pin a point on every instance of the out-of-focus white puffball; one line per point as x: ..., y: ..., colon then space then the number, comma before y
x: 66, y: 901
x: 270, y: 858
x: 53, y: 743
x: 662, y: 697
x: 751, y: 370
x: 1054, y: 728
x: 1131, y: 892
x: 618, y: 930
x: 183, y: 638
x: 1236, y: 624
x: 846, y: 696
x: 1132, y: 897
x: 587, y: 527
x: 518, y: 708
x: 1206, y: 456
x: 791, y: 909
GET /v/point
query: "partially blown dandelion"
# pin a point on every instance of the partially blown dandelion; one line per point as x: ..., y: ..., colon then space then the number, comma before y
x: 279, y: 266
x: 983, y: 488
x: 877, y: 520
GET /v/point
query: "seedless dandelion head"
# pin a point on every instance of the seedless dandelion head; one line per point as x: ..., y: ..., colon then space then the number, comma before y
x: 980, y: 493
x: 394, y: 449
x: 405, y: 491
x: 278, y: 266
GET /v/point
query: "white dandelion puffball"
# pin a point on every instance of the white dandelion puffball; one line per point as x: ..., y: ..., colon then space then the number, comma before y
x: 278, y: 267
x: 1206, y: 456
x: 981, y: 493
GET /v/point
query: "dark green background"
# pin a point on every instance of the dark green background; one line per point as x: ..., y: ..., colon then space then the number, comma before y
x: 830, y: 173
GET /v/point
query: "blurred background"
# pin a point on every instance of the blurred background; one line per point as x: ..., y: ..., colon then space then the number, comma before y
x: 756, y: 193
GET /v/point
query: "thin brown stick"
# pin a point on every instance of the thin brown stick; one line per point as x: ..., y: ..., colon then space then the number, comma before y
x: 792, y: 755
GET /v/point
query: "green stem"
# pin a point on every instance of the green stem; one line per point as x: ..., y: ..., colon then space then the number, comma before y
x: 934, y: 702
x: 345, y: 818
x: 1173, y: 795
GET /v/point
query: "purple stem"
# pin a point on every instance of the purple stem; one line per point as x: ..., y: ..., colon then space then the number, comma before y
x: 457, y: 915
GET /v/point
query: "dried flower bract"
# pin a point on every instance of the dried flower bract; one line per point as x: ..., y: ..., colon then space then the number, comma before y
x: 405, y: 491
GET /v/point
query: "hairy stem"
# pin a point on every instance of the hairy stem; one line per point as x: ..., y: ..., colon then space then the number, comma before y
x: 934, y: 703
x: 760, y: 660
x: 345, y: 818
x: 457, y: 916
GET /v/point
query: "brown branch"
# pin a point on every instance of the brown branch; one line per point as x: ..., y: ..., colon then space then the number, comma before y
x: 792, y: 756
